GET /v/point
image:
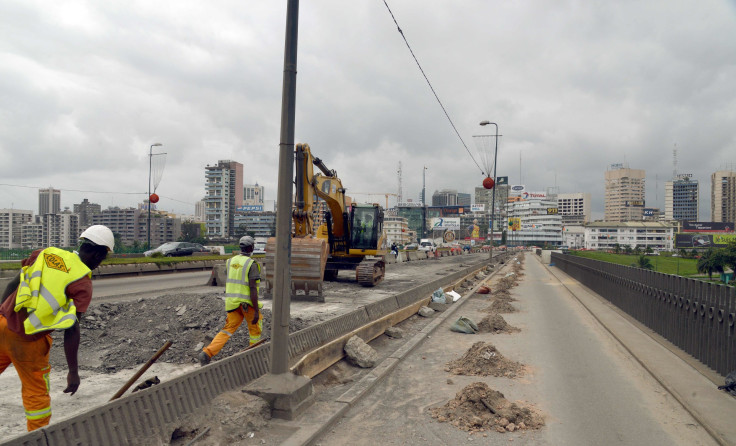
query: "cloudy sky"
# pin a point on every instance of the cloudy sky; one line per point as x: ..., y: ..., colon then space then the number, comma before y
x: 87, y: 86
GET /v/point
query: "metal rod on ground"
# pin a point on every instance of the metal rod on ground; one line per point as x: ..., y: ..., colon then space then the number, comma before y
x: 200, y: 436
x: 142, y: 370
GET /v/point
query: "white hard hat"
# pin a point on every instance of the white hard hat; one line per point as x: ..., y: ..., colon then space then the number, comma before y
x: 99, y: 235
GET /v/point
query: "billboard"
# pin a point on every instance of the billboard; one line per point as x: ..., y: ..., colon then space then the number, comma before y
x: 706, y: 226
x: 696, y: 240
x: 649, y: 212
x: 444, y: 223
x: 634, y: 203
x: 517, y: 189
x: 534, y: 195
x: 552, y: 211
x: 254, y: 208
x: 502, y: 180
x: 514, y: 223
x: 477, y: 207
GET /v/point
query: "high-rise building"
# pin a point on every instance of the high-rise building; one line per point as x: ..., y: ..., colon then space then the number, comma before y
x: 224, y: 193
x: 60, y: 230
x: 199, y: 211
x: 32, y: 235
x: 681, y: 198
x: 463, y: 199
x: 49, y: 201
x: 85, y: 210
x: 125, y: 223
x: 624, y: 200
x: 11, y: 221
x: 723, y: 196
x: 445, y: 197
x: 576, y: 206
x: 253, y: 195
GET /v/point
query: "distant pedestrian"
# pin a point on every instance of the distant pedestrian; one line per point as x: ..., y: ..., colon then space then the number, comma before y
x: 394, y: 249
x: 241, y: 300
x: 52, y: 291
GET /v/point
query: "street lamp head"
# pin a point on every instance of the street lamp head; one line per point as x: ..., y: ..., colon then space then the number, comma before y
x: 156, y: 144
x: 485, y: 122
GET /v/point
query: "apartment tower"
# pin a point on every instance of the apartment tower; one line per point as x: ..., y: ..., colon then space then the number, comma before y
x: 624, y: 200
x: 723, y: 196
x: 224, y: 192
x: 681, y: 198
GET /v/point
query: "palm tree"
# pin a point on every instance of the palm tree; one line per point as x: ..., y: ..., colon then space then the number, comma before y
x: 644, y: 263
x: 713, y: 261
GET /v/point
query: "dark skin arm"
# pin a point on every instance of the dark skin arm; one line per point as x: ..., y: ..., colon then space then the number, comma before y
x: 71, y: 347
x: 12, y: 286
x: 254, y: 298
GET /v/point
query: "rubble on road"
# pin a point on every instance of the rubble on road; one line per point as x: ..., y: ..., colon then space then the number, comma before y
x: 425, y: 312
x: 478, y: 408
x: 125, y: 334
x: 360, y: 353
x: 495, y: 323
x: 483, y: 359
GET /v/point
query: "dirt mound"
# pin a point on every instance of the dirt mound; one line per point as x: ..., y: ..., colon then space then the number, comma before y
x: 483, y: 359
x: 479, y: 408
x: 504, y: 295
x: 500, y: 306
x: 495, y: 323
x: 122, y: 335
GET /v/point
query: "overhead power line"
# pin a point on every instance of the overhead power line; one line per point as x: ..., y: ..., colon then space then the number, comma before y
x: 431, y: 88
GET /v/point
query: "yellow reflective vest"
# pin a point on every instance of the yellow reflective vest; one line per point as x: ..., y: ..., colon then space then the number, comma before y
x: 42, y: 290
x: 237, y: 290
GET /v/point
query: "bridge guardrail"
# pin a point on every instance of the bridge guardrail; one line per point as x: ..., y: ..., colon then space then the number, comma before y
x: 696, y: 316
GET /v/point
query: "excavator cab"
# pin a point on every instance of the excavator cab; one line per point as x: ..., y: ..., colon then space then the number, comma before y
x: 366, y: 223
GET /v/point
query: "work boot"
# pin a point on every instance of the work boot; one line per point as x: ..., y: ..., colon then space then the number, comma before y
x: 204, y: 358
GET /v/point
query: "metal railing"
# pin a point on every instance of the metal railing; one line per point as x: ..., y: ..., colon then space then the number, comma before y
x: 696, y: 316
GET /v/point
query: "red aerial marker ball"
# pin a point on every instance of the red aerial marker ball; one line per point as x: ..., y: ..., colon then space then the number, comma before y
x: 488, y: 183
x: 154, y: 198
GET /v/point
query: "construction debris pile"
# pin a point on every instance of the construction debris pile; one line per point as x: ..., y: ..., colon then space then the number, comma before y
x: 483, y: 359
x: 495, y: 323
x: 123, y: 335
x: 478, y: 408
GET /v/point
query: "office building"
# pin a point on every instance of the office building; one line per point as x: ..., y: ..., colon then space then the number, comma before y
x: 723, y: 196
x: 261, y: 224
x: 253, y: 195
x: 60, y: 230
x: 224, y: 193
x: 536, y: 225
x: 85, y: 210
x: 624, y: 200
x: 681, y: 198
x: 49, y: 201
x: 444, y: 197
x: 463, y: 199
x: 608, y: 235
x: 397, y: 230
x: 11, y: 224
x: 576, y: 206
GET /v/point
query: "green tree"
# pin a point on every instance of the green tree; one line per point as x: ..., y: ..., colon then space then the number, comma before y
x: 118, y: 247
x: 729, y: 255
x: 643, y: 262
x: 683, y: 253
x: 617, y: 248
x: 712, y: 261
x: 627, y: 249
x: 648, y: 250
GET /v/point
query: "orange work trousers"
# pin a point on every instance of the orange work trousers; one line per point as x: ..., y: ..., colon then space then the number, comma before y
x: 234, y: 319
x: 31, y: 361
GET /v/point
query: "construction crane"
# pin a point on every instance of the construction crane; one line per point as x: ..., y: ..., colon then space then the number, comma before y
x: 374, y: 194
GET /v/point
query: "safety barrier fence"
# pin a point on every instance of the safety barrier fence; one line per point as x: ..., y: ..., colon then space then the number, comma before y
x: 696, y: 316
x: 150, y: 416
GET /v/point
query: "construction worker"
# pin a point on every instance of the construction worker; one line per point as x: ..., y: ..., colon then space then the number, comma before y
x: 52, y: 291
x: 241, y: 300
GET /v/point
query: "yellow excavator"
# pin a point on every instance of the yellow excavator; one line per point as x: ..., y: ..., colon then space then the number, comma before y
x: 351, y: 236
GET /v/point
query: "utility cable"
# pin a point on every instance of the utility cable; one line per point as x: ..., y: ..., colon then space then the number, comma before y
x: 432, y: 88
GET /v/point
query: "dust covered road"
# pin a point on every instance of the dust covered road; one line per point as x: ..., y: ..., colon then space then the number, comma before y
x: 120, y: 334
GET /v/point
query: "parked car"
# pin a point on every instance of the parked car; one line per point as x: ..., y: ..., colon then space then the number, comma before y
x: 427, y: 245
x: 411, y: 247
x: 176, y: 249
x: 259, y: 248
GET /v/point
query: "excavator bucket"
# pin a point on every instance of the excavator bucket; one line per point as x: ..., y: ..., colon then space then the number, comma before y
x: 308, y: 260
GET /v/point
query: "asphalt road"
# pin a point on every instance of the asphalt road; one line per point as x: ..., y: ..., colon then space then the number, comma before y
x: 589, y: 389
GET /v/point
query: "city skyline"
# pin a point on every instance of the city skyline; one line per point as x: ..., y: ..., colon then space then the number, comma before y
x: 573, y: 87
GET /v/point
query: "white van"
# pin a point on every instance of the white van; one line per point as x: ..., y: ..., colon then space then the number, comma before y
x: 426, y: 244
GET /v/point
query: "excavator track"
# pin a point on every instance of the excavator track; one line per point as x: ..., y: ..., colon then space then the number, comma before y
x: 370, y: 272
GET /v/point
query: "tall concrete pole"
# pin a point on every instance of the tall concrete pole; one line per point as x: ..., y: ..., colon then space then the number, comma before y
x: 493, y: 199
x: 282, y: 272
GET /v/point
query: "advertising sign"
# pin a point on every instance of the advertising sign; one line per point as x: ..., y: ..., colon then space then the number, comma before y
x: 706, y: 226
x: 649, y: 212
x: 254, y: 208
x: 534, y: 195
x: 517, y: 189
x: 552, y: 211
x: 502, y: 180
x: 410, y: 204
x: 443, y: 223
x: 514, y: 223
x: 634, y: 203
x: 695, y: 240
x: 477, y: 207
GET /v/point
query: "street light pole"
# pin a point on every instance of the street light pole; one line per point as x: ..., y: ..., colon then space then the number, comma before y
x: 150, y: 164
x: 493, y: 199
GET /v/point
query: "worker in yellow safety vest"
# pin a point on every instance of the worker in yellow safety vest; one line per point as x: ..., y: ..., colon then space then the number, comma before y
x: 52, y: 291
x: 241, y: 300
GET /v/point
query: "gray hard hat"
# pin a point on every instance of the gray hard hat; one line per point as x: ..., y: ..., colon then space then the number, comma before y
x: 247, y: 240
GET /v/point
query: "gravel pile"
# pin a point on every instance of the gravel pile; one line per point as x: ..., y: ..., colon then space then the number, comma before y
x: 483, y: 359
